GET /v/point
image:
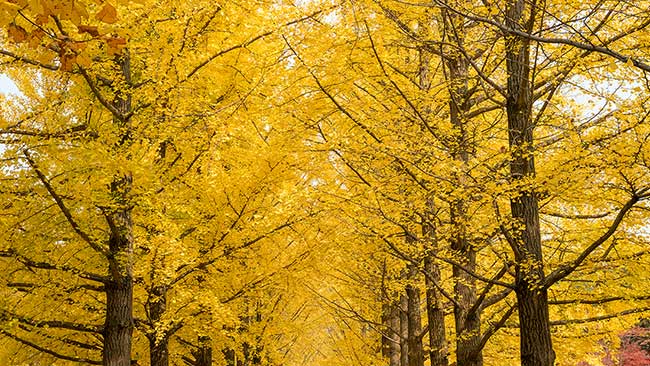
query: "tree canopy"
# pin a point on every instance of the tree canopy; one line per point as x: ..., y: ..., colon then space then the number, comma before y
x: 377, y: 182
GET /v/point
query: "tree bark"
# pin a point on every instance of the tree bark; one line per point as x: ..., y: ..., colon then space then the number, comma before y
x: 415, y: 352
x: 438, y: 349
x: 203, y: 353
x: 468, y: 326
x: 118, y: 326
x: 158, y: 344
x: 438, y: 352
x: 403, y: 330
x: 390, y: 338
x: 532, y: 302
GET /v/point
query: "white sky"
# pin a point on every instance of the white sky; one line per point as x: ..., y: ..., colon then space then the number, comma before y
x: 7, y: 86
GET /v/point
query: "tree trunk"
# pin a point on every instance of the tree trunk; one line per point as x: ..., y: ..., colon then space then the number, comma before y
x: 535, y: 335
x: 403, y: 330
x: 438, y: 350
x: 202, y: 354
x: 159, y: 352
x: 158, y: 344
x: 468, y: 326
x: 415, y: 352
x: 438, y: 353
x: 390, y: 338
x: 118, y: 326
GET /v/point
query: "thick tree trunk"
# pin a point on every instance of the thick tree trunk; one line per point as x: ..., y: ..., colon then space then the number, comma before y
x: 438, y: 349
x: 535, y: 335
x: 403, y: 330
x: 203, y: 353
x: 415, y: 352
x: 118, y: 325
x: 438, y: 352
x: 390, y: 338
x: 159, y: 352
x: 158, y: 344
x: 468, y: 326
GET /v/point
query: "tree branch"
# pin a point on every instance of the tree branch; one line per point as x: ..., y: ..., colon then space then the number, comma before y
x: 48, y: 351
x: 64, y: 209
x: 566, y: 269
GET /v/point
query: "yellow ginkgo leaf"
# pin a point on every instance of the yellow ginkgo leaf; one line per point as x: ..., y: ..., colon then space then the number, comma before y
x: 108, y: 14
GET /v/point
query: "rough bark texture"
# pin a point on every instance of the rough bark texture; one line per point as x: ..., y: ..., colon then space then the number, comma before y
x: 118, y: 326
x: 438, y: 352
x: 415, y: 351
x: 158, y: 344
x: 535, y: 335
x: 390, y: 338
x: 468, y: 326
x: 438, y: 349
x: 403, y: 330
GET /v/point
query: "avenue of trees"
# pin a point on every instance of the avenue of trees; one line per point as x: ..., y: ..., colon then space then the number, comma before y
x: 368, y: 182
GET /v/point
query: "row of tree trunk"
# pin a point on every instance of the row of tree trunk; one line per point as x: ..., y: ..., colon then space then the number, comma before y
x: 403, y: 339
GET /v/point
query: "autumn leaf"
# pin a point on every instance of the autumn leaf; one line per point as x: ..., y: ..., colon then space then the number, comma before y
x: 41, y: 19
x: 17, y: 33
x: 35, y: 38
x: 67, y: 60
x: 115, y: 45
x: 83, y: 60
x: 90, y: 29
x: 108, y: 14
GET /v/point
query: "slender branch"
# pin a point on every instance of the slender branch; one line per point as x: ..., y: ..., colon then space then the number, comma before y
x: 494, y: 327
x: 479, y: 301
x: 87, y: 328
x: 64, y: 209
x: 597, y: 301
x: 49, y: 351
x: 30, y: 263
x: 198, y: 67
x: 577, y: 217
x: 568, y: 268
x: 601, y: 317
x: 554, y: 40
x: 246, y: 244
x: 329, y: 96
x: 227, y: 50
x: 100, y: 97
x: 28, y: 60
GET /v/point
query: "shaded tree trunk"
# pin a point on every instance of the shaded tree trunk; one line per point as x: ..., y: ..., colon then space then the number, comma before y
x: 438, y: 349
x: 203, y: 353
x: 158, y: 345
x: 390, y: 338
x: 438, y: 352
x: 415, y: 352
x: 403, y: 330
x: 468, y: 326
x: 118, y: 326
x: 532, y: 302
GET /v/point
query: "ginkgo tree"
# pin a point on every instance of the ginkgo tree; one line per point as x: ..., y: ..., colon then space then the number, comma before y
x: 198, y: 181
x: 157, y: 182
x: 383, y: 145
